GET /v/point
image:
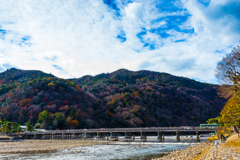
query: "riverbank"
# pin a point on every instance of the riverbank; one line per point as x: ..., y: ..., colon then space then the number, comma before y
x: 186, y: 154
x: 43, y: 145
x: 230, y: 150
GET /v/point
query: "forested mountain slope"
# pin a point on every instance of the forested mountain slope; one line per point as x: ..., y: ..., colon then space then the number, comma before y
x: 119, y: 99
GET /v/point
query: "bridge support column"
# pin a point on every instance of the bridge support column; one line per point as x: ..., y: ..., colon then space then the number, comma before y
x: 42, y: 136
x: 143, y: 136
x: 89, y: 136
x: 178, y: 136
x: 100, y: 136
x: 128, y: 136
x: 160, y: 137
x: 80, y: 136
x: 198, y: 137
x: 114, y: 136
x: 63, y: 136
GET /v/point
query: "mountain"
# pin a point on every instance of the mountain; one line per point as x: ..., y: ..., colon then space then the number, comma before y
x: 119, y: 99
x: 13, y: 77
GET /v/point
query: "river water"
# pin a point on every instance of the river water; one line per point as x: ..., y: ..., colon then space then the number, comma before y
x: 118, y: 151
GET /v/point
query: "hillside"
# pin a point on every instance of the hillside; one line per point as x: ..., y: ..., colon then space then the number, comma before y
x: 13, y: 77
x: 119, y: 99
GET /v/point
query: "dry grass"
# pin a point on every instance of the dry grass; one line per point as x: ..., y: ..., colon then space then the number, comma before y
x: 203, y: 153
x: 233, y: 141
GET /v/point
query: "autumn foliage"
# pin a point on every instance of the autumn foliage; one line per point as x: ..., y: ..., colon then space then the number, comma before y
x: 119, y: 99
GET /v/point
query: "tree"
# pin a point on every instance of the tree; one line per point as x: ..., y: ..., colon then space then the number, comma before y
x: 10, y: 127
x: 78, y: 115
x: 230, y: 114
x: 29, y: 127
x: 43, y: 117
x: 60, y: 119
x: 228, y: 71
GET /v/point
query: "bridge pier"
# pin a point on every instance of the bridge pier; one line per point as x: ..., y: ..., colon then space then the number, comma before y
x: 58, y: 136
x: 198, y: 137
x: 80, y: 136
x: 88, y: 136
x: 160, y: 137
x: 128, y: 136
x: 114, y: 136
x: 178, y: 136
x: 100, y: 136
x: 63, y: 136
x: 143, y: 137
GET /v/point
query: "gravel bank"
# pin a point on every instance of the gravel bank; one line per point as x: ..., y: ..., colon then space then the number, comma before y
x: 42, y: 145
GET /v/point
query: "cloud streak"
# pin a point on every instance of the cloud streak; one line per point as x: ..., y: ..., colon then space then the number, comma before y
x: 75, y: 38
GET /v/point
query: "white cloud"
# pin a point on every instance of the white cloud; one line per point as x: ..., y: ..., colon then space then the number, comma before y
x: 81, y: 37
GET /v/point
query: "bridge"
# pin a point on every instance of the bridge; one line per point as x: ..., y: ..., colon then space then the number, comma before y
x: 102, y: 133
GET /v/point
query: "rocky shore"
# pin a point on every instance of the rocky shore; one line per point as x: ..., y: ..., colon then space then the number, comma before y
x: 186, y: 154
x: 208, y: 151
x: 42, y: 145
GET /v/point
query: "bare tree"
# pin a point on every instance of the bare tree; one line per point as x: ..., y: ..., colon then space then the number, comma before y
x: 228, y: 72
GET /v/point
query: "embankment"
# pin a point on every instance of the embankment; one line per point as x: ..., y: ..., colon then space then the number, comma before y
x: 230, y: 150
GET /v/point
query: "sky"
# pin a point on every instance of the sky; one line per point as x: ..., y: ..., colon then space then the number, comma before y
x: 74, y: 38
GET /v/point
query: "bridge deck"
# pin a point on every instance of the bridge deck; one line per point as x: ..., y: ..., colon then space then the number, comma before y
x: 109, y: 130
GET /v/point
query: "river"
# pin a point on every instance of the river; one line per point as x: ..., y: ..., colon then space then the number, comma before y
x: 119, y: 151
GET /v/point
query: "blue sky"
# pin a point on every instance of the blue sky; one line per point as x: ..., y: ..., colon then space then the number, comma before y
x: 76, y: 38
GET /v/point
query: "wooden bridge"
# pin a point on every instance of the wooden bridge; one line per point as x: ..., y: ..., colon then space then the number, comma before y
x: 103, y: 134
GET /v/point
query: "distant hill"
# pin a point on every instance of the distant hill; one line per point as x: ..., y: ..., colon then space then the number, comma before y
x: 119, y: 99
x: 13, y: 77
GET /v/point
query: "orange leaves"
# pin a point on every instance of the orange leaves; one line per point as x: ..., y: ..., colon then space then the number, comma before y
x: 111, y: 102
x: 136, y: 93
x: 49, y: 78
x: 78, y: 88
x: 74, y: 123
x: 71, y: 83
x: 66, y: 107
x: 147, y: 88
x: 148, y: 81
x: 50, y: 84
